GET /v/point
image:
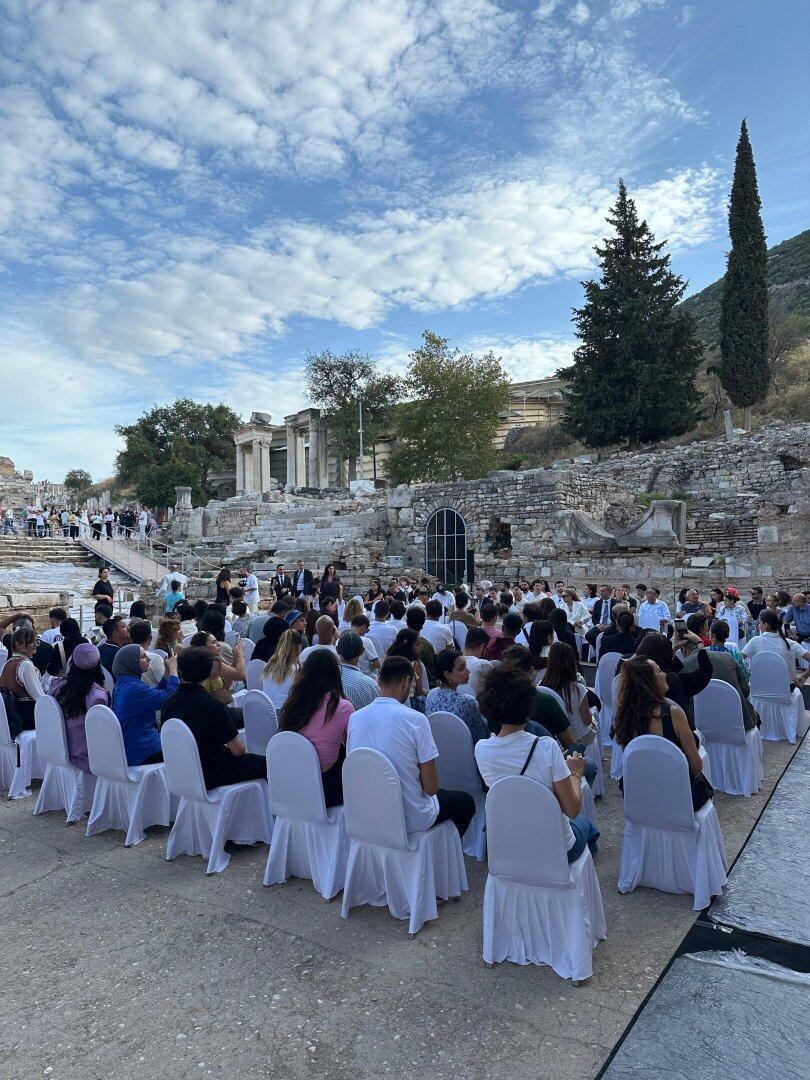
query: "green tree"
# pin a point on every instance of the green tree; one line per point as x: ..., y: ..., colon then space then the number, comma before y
x: 633, y: 375
x: 78, y: 481
x: 744, y: 368
x: 334, y: 384
x: 446, y: 429
x: 175, y: 444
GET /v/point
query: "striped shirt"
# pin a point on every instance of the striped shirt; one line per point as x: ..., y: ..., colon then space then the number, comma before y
x: 357, y: 687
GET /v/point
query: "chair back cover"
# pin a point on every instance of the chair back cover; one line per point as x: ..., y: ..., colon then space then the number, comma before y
x: 657, y: 792
x: 230, y: 638
x: 294, y: 778
x: 50, y: 727
x: 605, y: 671
x: 105, y: 744
x: 247, y: 648
x: 719, y: 715
x: 5, y: 730
x: 109, y: 682
x: 524, y: 833
x: 372, y: 800
x: 261, y: 722
x: 456, y: 761
x: 770, y: 677
x: 184, y: 773
x: 254, y: 674
x: 598, y: 643
x: 733, y: 627
x: 378, y: 646
x: 459, y: 632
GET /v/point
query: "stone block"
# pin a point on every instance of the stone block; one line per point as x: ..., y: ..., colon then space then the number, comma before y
x: 767, y: 534
x: 400, y: 497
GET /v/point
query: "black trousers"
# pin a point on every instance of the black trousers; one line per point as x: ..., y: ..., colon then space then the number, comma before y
x: 455, y: 806
x: 235, y: 770
x: 332, y: 781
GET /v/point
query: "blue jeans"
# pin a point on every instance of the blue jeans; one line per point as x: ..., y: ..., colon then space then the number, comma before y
x: 584, y: 833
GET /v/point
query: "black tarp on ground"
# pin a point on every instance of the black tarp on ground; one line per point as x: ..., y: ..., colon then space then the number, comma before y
x: 769, y: 885
x: 719, y: 1016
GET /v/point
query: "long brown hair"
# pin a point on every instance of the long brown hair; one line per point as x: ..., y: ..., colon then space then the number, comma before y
x: 638, y: 698
x: 545, y: 608
x: 318, y: 678
x: 561, y: 672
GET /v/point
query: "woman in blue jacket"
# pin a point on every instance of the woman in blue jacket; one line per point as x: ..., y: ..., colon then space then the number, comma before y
x: 136, y: 704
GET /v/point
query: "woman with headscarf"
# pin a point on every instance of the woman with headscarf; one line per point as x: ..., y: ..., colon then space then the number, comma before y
x: 682, y: 685
x: 135, y: 703
x: 275, y: 626
x: 78, y: 691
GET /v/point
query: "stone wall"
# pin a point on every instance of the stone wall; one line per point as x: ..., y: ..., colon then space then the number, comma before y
x: 710, y: 512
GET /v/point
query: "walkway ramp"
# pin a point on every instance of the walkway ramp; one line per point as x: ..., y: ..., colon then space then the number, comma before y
x: 133, y: 558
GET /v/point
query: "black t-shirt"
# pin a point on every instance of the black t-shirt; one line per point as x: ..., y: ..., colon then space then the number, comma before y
x: 547, y: 711
x: 107, y: 653
x: 755, y: 609
x: 210, y: 724
x: 102, y: 587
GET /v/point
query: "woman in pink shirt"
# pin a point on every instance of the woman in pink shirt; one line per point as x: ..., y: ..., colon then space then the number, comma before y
x: 317, y: 710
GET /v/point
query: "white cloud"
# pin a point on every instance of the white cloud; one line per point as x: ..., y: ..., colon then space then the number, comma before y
x: 478, y: 245
x: 579, y: 14
x: 526, y: 358
x: 628, y: 9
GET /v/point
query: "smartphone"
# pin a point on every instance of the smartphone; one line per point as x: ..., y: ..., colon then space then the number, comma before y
x: 238, y: 638
x: 680, y: 627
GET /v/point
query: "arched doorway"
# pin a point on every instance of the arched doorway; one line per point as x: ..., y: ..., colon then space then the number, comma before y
x: 446, y: 547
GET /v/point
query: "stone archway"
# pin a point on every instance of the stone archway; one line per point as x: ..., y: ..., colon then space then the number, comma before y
x: 446, y: 546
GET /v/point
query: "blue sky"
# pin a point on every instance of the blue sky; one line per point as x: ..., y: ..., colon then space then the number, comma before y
x: 194, y: 194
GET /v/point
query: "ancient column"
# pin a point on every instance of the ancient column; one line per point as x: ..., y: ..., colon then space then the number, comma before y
x: 265, y: 450
x: 292, y: 455
x: 240, y: 467
x: 258, y: 479
x: 182, y: 499
x: 314, y: 454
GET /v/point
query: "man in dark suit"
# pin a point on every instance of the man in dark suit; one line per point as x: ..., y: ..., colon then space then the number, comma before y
x: 303, y: 580
x: 282, y: 583
x: 600, y: 614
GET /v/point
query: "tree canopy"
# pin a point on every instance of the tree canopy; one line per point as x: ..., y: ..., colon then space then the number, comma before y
x: 334, y: 384
x: 447, y: 427
x: 175, y: 444
x: 744, y: 369
x: 633, y: 376
x: 78, y: 480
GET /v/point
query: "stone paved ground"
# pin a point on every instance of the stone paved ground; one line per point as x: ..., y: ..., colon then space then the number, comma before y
x: 117, y: 963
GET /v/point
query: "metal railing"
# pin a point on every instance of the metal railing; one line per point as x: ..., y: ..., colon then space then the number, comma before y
x: 146, y: 555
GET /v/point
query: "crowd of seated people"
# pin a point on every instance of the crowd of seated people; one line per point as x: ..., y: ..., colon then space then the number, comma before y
x: 369, y: 671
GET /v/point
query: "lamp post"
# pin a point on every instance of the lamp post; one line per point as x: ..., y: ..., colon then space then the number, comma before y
x: 360, y: 476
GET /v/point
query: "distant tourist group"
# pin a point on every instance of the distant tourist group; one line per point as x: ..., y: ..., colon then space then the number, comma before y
x: 132, y: 522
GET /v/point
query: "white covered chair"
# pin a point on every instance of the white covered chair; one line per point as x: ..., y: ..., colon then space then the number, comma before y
x: 261, y: 722
x: 127, y: 797
x: 603, y: 686
x: 19, y: 762
x: 735, y: 754
x: 386, y: 865
x: 230, y: 638
x: 206, y: 820
x: 593, y: 754
x: 666, y: 845
x: 459, y: 632
x: 538, y: 908
x: 378, y: 646
x: 64, y: 787
x: 781, y: 712
x: 458, y: 772
x: 254, y: 674
x: 109, y: 682
x: 309, y: 841
x: 247, y: 648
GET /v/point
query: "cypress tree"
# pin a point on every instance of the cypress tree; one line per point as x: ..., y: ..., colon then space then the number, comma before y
x: 633, y: 375
x: 744, y: 369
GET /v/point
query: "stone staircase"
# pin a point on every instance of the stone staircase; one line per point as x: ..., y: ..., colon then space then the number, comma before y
x: 15, y: 550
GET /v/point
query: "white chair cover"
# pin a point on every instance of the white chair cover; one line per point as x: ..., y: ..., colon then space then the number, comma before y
x: 781, y: 712
x: 261, y: 722
x: 667, y: 846
x: 127, y: 797
x: 64, y: 787
x: 458, y: 772
x: 109, y: 682
x: 206, y: 820
x: 378, y: 646
x: 19, y: 761
x: 735, y: 754
x: 733, y: 627
x: 309, y: 841
x: 538, y: 908
x: 385, y: 865
x: 247, y: 647
x: 603, y: 686
x: 230, y: 638
x: 459, y: 632
x: 254, y: 674
x: 616, y: 753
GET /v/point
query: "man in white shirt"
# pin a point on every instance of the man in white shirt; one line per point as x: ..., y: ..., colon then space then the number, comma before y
x: 653, y: 613
x: 370, y: 660
x: 251, y: 589
x: 557, y: 593
x: 54, y: 634
x: 403, y: 735
x: 143, y: 521
x: 174, y: 574
x: 506, y: 702
x: 381, y: 629
x: 325, y: 638
x: 357, y: 687
x: 434, y: 631
x: 475, y: 646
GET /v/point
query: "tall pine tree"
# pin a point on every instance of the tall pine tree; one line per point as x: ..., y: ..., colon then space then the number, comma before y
x: 633, y: 376
x: 744, y: 369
